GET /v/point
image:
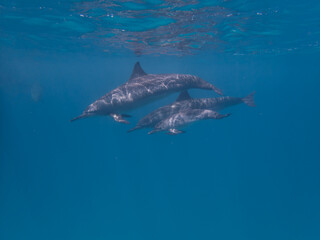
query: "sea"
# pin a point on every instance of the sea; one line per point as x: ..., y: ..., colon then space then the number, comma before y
x: 252, y: 176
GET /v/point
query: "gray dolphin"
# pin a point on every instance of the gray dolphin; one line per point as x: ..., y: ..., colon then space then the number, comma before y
x: 183, y: 118
x: 142, y: 88
x: 184, y: 101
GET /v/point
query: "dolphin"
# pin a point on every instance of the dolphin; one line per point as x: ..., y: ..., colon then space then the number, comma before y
x: 140, y: 89
x: 183, y: 118
x: 184, y: 101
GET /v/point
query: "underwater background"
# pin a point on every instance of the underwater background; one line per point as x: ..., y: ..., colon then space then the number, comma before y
x: 253, y: 175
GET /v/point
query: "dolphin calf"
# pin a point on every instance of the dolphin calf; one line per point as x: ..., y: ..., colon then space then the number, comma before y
x: 183, y: 118
x: 184, y: 101
x: 140, y: 89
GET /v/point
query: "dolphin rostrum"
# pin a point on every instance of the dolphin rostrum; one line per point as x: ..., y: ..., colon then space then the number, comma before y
x: 142, y: 88
x: 183, y: 118
x: 184, y: 101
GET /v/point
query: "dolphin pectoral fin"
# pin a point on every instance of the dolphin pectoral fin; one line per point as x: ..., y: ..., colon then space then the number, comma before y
x: 119, y: 118
x: 174, y: 131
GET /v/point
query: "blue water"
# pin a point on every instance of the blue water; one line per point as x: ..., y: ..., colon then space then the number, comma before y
x: 254, y: 175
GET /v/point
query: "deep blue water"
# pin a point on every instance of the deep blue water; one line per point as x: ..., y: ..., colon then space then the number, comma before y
x: 254, y: 175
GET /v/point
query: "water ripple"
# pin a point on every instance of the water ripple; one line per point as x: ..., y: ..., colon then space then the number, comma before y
x: 163, y: 27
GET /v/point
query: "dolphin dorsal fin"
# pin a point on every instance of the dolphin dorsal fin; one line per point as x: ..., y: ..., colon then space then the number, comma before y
x: 136, y: 72
x: 184, y: 95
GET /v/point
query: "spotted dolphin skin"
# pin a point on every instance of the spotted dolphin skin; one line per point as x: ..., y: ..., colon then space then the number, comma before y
x: 142, y: 88
x: 184, y: 117
x: 184, y: 101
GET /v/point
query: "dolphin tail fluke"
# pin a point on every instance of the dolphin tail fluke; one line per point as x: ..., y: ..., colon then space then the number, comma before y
x: 217, y: 90
x: 249, y: 100
x: 79, y: 117
x: 206, y: 85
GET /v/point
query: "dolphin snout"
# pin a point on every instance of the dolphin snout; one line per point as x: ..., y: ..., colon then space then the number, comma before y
x: 79, y: 117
